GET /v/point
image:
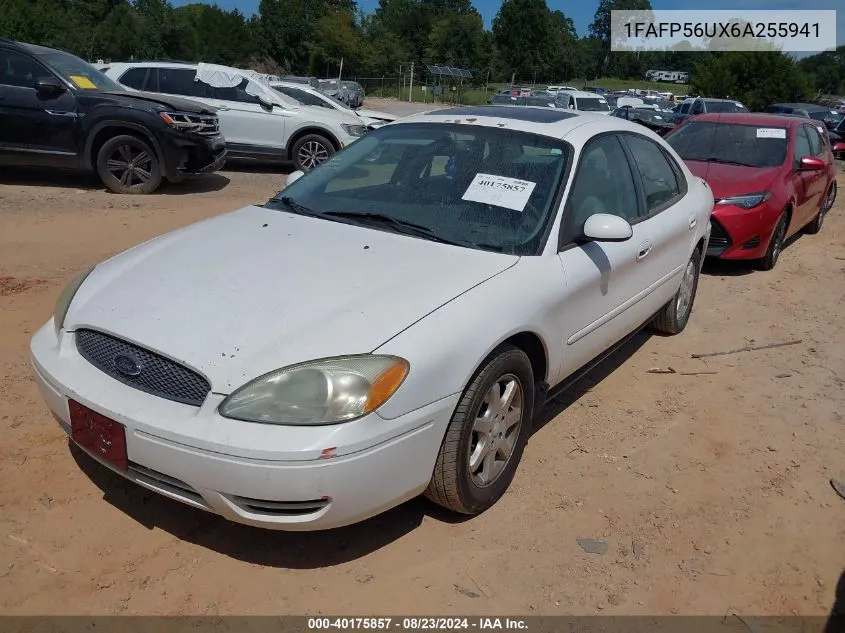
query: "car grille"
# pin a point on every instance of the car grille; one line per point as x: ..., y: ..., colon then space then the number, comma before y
x: 751, y: 244
x: 158, y: 376
x: 202, y: 124
x: 719, y: 242
x: 210, y: 125
x: 281, y: 508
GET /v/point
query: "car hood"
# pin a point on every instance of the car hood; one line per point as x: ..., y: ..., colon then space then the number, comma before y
x: 376, y: 114
x: 136, y: 97
x: 733, y: 180
x: 242, y: 294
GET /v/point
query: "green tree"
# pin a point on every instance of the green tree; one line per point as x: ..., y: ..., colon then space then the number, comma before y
x: 525, y: 39
x: 754, y: 78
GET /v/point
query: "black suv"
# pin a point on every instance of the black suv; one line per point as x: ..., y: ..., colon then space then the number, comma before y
x: 59, y: 111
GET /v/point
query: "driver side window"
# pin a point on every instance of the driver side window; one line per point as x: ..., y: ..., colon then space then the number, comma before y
x: 802, y: 144
x: 603, y: 183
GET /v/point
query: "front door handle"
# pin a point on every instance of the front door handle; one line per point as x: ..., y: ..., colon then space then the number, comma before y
x: 645, y: 249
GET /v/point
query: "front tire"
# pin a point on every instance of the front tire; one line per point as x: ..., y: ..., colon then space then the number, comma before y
x: 770, y: 259
x: 311, y: 150
x: 816, y: 225
x: 673, y: 317
x: 127, y: 164
x: 487, y: 434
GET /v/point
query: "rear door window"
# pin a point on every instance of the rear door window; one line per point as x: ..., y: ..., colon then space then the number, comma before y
x: 176, y: 81
x: 134, y: 78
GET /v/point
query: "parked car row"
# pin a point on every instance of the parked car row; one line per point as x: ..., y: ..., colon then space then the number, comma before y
x: 138, y: 123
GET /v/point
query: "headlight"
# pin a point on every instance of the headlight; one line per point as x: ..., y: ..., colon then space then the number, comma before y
x: 354, y: 130
x: 747, y: 201
x: 182, y: 121
x: 323, y: 391
x: 65, y: 299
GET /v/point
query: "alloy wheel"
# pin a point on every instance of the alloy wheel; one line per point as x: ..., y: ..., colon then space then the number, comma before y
x: 495, y: 430
x: 312, y: 154
x: 130, y: 165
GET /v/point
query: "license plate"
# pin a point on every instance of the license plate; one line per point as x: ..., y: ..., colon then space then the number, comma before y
x: 103, y: 437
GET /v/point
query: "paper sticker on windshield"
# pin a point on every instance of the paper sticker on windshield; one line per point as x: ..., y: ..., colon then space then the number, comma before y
x: 499, y: 191
x: 771, y: 132
x: 83, y: 82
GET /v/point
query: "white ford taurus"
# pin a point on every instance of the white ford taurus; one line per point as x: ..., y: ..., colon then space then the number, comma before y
x: 385, y: 326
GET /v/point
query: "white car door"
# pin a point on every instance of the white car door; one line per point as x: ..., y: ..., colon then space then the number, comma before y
x: 606, y: 282
x: 246, y: 123
x: 669, y: 225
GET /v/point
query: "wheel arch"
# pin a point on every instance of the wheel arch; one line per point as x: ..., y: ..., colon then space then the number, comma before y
x: 296, y: 136
x: 104, y: 130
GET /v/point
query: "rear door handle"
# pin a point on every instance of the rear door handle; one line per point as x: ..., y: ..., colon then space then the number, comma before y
x: 645, y: 249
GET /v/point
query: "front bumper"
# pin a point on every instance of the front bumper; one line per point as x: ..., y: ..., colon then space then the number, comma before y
x: 261, y: 475
x: 741, y: 234
x: 191, y: 153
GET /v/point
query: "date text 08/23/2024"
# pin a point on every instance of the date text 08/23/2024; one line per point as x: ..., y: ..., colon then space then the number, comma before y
x: 415, y: 623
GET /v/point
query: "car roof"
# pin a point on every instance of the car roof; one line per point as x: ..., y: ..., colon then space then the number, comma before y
x: 153, y: 64
x: 750, y: 118
x: 579, y: 93
x: 554, y: 123
x: 810, y: 107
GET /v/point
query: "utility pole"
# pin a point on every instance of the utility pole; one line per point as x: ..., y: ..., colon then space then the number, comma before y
x: 411, y: 88
x: 513, y: 78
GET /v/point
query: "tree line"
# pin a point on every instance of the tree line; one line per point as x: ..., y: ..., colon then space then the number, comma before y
x: 527, y: 40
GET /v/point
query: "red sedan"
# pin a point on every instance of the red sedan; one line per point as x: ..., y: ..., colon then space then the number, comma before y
x: 771, y: 177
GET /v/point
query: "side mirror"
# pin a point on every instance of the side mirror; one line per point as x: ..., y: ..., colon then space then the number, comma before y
x: 604, y: 227
x: 265, y: 102
x: 811, y: 163
x: 49, y: 86
x: 292, y: 178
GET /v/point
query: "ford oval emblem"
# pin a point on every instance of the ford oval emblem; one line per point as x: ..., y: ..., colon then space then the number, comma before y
x: 127, y: 364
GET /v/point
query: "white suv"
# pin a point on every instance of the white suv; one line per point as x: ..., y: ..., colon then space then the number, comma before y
x: 257, y: 121
x: 306, y: 95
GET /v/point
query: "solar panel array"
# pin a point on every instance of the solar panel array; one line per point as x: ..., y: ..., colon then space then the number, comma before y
x: 449, y: 71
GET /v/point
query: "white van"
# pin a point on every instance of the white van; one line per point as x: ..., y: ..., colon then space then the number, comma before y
x: 583, y: 101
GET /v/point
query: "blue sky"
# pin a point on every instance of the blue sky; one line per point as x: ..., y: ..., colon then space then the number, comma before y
x: 582, y: 11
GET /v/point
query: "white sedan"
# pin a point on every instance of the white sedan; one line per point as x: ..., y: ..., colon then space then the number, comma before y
x: 387, y: 325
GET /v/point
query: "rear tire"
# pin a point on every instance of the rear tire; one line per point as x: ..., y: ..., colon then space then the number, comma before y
x: 816, y: 225
x: 673, y: 317
x: 127, y: 164
x: 486, y: 436
x: 311, y: 150
x: 770, y: 259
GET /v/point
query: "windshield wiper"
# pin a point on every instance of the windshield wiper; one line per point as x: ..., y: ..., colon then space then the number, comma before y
x: 400, y: 226
x: 294, y: 206
x: 713, y: 159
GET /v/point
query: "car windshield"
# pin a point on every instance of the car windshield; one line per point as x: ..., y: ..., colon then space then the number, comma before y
x: 725, y: 106
x: 592, y: 104
x: 80, y: 73
x: 475, y: 186
x: 648, y: 115
x: 732, y: 143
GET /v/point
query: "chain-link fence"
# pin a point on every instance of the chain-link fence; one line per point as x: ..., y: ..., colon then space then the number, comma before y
x: 423, y: 90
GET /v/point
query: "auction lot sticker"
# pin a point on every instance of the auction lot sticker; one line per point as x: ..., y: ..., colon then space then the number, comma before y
x: 771, y: 132
x: 501, y: 191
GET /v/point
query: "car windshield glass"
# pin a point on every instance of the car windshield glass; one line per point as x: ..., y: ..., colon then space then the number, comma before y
x: 80, y: 73
x: 588, y: 104
x: 750, y: 145
x: 479, y: 187
x: 725, y: 106
x: 648, y: 115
